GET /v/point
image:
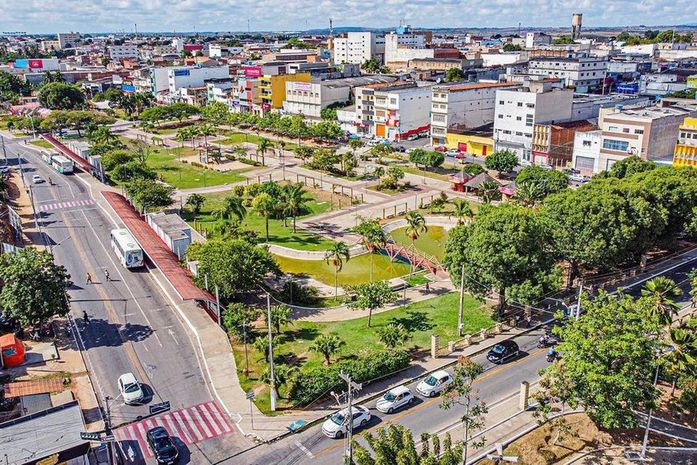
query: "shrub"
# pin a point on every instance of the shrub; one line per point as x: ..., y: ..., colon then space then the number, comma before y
x: 311, y: 385
x: 298, y: 294
x: 238, y: 190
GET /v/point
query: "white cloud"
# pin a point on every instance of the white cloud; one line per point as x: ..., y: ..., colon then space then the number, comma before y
x: 231, y: 15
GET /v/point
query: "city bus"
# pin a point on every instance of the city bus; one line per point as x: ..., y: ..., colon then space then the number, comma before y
x: 127, y: 249
x: 48, y: 156
x: 62, y: 164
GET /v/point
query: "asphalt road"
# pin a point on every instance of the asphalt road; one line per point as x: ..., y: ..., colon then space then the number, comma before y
x: 132, y: 326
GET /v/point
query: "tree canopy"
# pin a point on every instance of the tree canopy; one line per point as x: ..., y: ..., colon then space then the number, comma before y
x: 502, y: 161
x: 61, y: 96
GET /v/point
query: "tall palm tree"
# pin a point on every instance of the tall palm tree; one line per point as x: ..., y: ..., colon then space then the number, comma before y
x: 265, y: 205
x: 336, y: 256
x: 488, y: 191
x: 529, y: 194
x: 263, y: 145
x: 295, y: 200
x: 683, y: 357
x: 327, y: 345
x: 233, y: 207
x: 663, y: 290
x: 373, y: 239
x: 416, y: 225
x: 462, y: 211
x: 205, y: 131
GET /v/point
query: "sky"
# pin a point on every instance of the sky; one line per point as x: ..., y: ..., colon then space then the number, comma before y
x: 50, y: 16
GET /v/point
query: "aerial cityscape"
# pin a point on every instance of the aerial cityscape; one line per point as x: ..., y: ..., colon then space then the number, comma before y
x: 410, y: 233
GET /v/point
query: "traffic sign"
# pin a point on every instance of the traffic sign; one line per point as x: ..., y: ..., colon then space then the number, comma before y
x: 159, y: 408
x: 250, y: 395
x: 92, y: 436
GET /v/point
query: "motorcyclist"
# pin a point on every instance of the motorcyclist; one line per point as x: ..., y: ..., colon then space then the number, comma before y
x: 544, y: 340
x: 552, y: 354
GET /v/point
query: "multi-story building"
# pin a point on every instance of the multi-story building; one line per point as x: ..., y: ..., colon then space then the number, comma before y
x: 533, y: 39
x: 50, y: 45
x: 248, y: 94
x: 649, y: 133
x: 586, y: 151
x: 355, y: 47
x: 221, y: 90
x: 464, y: 105
x: 68, y: 39
x: 273, y: 89
x: 553, y: 143
x: 404, y: 45
x: 393, y: 111
x: 583, y: 72
x: 685, y: 153
x: 173, y: 79
x: 518, y: 110
x: 478, y: 142
x: 119, y: 52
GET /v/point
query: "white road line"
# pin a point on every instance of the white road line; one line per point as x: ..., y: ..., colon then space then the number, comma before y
x: 219, y: 416
x: 182, y: 427
x: 191, y: 424
x: 304, y: 449
x: 194, y: 411
x: 210, y: 419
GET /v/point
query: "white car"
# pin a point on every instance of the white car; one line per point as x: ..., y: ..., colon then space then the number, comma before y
x: 336, y: 426
x: 524, y: 163
x: 433, y: 384
x: 577, y: 177
x: 130, y: 389
x: 36, y: 179
x: 394, y: 399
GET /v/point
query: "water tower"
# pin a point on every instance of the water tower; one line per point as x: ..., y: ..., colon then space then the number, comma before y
x: 576, y: 21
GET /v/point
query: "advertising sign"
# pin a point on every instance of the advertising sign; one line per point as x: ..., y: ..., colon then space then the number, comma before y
x: 252, y: 71
x: 36, y: 64
x: 301, y: 86
x: 181, y: 72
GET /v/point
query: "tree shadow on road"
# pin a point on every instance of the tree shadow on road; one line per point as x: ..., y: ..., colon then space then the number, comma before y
x: 102, y: 333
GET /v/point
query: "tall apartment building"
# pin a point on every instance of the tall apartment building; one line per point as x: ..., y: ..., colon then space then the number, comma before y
x: 68, y: 39
x: 404, y: 45
x: 356, y: 48
x: 393, y: 111
x: 518, y: 110
x: 172, y: 79
x: 273, y: 89
x: 685, y: 153
x: 586, y: 73
x: 119, y: 52
x: 463, y: 105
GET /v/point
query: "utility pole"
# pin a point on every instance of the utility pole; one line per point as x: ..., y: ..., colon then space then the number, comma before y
x: 645, y: 442
x: 107, y: 428
x: 4, y: 152
x: 349, y: 415
x: 578, y: 302
x: 272, y: 381
x: 462, y: 301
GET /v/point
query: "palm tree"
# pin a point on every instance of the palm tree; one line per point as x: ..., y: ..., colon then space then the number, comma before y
x: 182, y: 136
x: 265, y: 205
x: 327, y: 345
x: 295, y: 200
x: 663, y: 290
x: 282, y: 374
x: 262, y: 147
x: 337, y: 255
x: 488, y: 190
x: 233, y: 207
x: 416, y: 225
x: 373, y: 239
x: 195, y: 203
x: 205, y: 131
x: 529, y: 194
x: 462, y: 211
x: 682, y: 359
x: 102, y: 135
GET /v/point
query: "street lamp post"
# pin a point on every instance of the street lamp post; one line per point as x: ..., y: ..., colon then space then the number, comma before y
x: 272, y: 382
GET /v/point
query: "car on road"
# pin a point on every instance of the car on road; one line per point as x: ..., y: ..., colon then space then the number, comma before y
x: 36, y: 179
x: 395, y: 399
x: 545, y: 166
x: 4, y: 169
x: 399, y: 148
x: 453, y: 153
x: 162, y: 446
x: 440, y: 148
x: 578, y: 177
x: 434, y: 383
x: 504, y: 350
x: 571, y: 171
x: 413, y: 137
x: 336, y: 426
x: 131, y: 390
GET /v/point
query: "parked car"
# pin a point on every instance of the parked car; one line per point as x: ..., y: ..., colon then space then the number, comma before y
x: 440, y: 148
x: 336, y: 426
x: 524, y: 163
x: 577, y: 177
x: 394, y: 399
x: 505, y: 350
x: 433, y: 384
x: 413, y: 137
x: 545, y: 166
x: 130, y: 389
x: 453, y: 153
x: 36, y: 179
x: 399, y: 148
x: 571, y: 171
x: 162, y: 446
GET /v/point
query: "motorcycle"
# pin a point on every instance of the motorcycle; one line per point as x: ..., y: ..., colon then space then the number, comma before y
x: 553, y: 356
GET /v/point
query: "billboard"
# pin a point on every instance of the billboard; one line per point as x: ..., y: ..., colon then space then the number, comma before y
x: 252, y: 71
x: 181, y: 72
x: 300, y: 86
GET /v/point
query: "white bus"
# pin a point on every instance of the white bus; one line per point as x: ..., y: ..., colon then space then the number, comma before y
x: 129, y: 252
x: 62, y: 164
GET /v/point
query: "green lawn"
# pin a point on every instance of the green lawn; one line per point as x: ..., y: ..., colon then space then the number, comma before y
x: 278, y: 233
x: 185, y: 176
x: 41, y: 143
x: 434, y: 316
x: 432, y: 243
x: 355, y: 271
x: 233, y: 138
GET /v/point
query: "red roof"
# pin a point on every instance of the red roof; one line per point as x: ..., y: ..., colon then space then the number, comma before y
x: 82, y: 163
x: 155, y: 248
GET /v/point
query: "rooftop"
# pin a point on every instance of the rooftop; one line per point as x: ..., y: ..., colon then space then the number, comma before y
x: 173, y: 225
x: 373, y: 81
x: 457, y: 87
x: 649, y: 113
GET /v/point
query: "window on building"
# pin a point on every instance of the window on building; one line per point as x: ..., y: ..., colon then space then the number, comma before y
x: 586, y: 143
x: 506, y: 131
x: 500, y: 102
x: 518, y: 133
x: 520, y: 104
x: 519, y: 118
x: 500, y: 116
x: 529, y: 119
x: 625, y: 130
x: 612, y: 144
x: 612, y: 128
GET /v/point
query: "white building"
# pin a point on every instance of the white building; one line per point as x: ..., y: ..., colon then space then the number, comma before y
x: 178, y: 78
x: 586, y: 155
x: 465, y: 105
x: 403, y: 45
x: 533, y: 39
x: 502, y: 59
x: 221, y: 51
x: 119, y: 52
x: 583, y: 72
x: 356, y: 48
x: 68, y: 39
x: 517, y: 111
x: 393, y: 111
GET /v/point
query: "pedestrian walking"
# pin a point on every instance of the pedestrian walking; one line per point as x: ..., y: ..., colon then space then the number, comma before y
x: 89, y: 279
x: 106, y: 274
x: 85, y: 317
x: 428, y: 287
x: 517, y: 320
x: 528, y: 320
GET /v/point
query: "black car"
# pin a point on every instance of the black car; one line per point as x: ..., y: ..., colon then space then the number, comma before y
x: 162, y: 446
x: 504, y: 350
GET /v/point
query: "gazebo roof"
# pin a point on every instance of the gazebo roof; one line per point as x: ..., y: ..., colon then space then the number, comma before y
x: 477, y: 181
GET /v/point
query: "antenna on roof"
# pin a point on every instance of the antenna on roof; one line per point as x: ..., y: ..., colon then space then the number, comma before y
x: 331, y: 27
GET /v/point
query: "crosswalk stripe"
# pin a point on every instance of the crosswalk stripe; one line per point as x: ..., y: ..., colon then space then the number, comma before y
x: 174, y: 431
x: 182, y: 427
x: 211, y: 420
x: 141, y: 440
x: 198, y: 422
x: 223, y: 420
x: 191, y: 424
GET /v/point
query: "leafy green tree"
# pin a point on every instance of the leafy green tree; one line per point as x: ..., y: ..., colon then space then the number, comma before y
x: 195, y: 203
x: 282, y: 374
x: 61, y: 96
x: 502, y: 161
x: 530, y: 193
x: 215, y: 113
x: 505, y: 250
x: 511, y: 48
x: 355, y: 144
x: 280, y: 316
x: 327, y: 345
x: 461, y: 393
x: 393, y: 335
x: 551, y: 181
x: 149, y: 194
x: 304, y: 152
x: 181, y: 111
x: 662, y: 291
x: 336, y: 255
x: 381, y: 150
x: 11, y: 87
x: 609, y: 359
x: 130, y: 171
x: 234, y: 265
x: 629, y: 166
x: 417, y: 156
x: 113, y: 158
x: 681, y: 360
x: 472, y: 169
x: 563, y: 40
x: 454, y: 75
x: 394, y: 444
x: 462, y: 210
x: 265, y: 205
x: 101, y: 135
x: 371, y: 297
x: 238, y: 318
x: 33, y: 287
x: 232, y: 207
x: 373, y: 238
x: 261, y: 344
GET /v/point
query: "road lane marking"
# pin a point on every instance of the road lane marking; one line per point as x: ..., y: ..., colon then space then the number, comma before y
x: 191, y: 424
x: 304, y: 449
x: 202, y: 423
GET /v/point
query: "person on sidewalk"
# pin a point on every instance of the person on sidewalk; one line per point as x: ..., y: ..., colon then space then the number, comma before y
x: 89, y: 279
x: 85, y: 317
x: 528, y: 320
x: 428, y: 287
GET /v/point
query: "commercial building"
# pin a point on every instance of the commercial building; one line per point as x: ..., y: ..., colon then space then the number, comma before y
x: 49, y: 45
x: 357, y: 48
x: 533, y: 39
x: 587, y: 106
x: 222, y: 51
x: 273, y: 89
x: 585, y: 73
x: 586, y: 152
x: 173, y: 78
x: 685, y: 153
x: 404, y: 45
x: 393, y: 111
x: 443, y: 64
x: 518, y: 110
x: 478, y: 142
x: 553, y: 143
x: 68, y: 39
x: 221, y: 90
x: 119, y: 52
x: 465, y: 105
